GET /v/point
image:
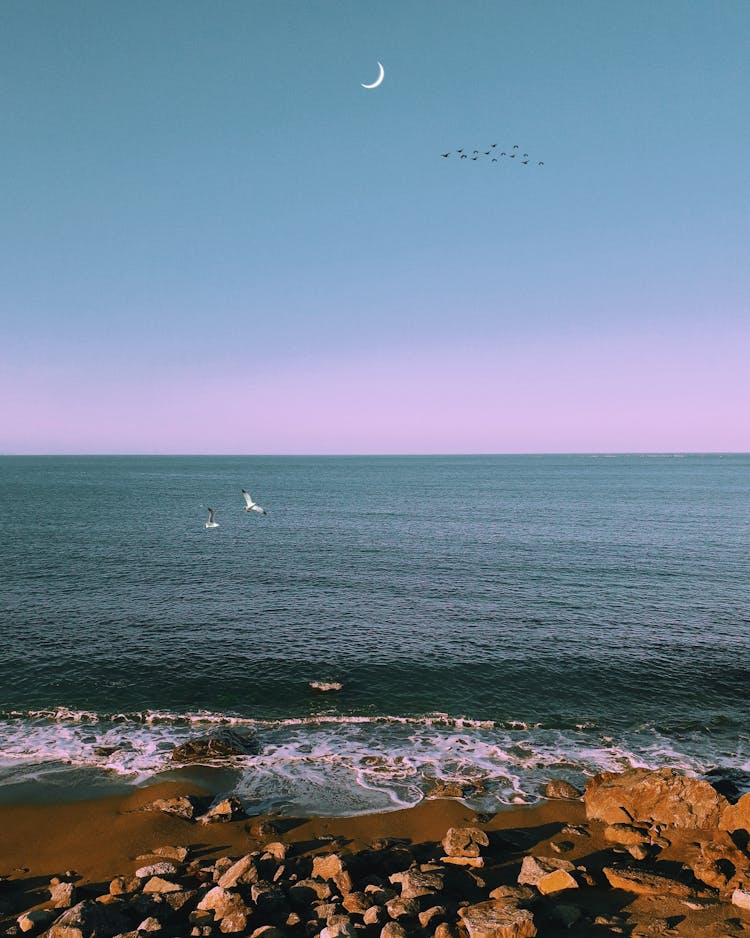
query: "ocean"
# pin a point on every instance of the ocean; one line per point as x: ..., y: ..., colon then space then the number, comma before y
x: 493, y: 621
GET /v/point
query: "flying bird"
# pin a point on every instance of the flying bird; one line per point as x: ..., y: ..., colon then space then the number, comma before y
x: 515, y: 146
x: 540, y: 164
x: 525, y: 162
x: 211, y: 523
x: 250, y: 505
x: 445, y: 155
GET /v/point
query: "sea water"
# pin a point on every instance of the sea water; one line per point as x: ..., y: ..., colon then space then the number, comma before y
x: 492, y: 622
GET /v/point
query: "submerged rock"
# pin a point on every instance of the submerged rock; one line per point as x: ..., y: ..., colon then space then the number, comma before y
x: 561, y: 790
x: 217, y: 746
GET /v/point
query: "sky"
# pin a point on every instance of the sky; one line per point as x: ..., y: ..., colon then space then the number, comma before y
x: 214, y: 240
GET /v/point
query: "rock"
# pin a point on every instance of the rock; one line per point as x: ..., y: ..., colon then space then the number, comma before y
x: 268, y: 931
x: 534, y: 868
x: 639, y: 851
x: 446, y: 930
x: 269, y: 900
x: 393, y: 930
x: 665, y: 796
x: 62, y: 895
x: 178, y: 900
x: 401, y: 909
x: 86, y: 919
x: 234, y: 922
x: 556, y: 881
x: 643, y: 883
x: 722, y: 866
x: 150, y: 924
x: 35, y: 919
x: 217, y: 746
x: 158, y: 885
x: 464, y: 841
x: 277, y: 850
x: 493, y: 919
x: 561, y: 846
x: 736, y: 816
x: 229, y: 809
x: 156, y: 869
x: 178, y: 854
x: 184, y: 806
x: 559, y: 789
x: 565, y: 915
x: 511, y: 894
x: 375, y: 915
x: 243, y: 870
x: 332, y: 867
x: 222, y: 902
x: 475, y: 862
x: 357, y: 903
x: 741, y: 898
x: 433, y: 916
x: 415, y: 883
x: 626, y: 834
x: 305, y: 891
x: 339, y: 926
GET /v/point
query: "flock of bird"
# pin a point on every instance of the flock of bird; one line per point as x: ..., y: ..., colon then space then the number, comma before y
x: 250, y: 505
x: 494, y: 154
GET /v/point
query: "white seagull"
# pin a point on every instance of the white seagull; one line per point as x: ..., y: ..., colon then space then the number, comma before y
x: 250, y: 505
x: 211, y: 523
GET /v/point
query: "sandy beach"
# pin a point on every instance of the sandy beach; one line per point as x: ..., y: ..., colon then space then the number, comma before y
x: 664, y: 869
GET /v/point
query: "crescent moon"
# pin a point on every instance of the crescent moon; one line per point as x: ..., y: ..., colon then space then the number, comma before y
x: 378, y: 80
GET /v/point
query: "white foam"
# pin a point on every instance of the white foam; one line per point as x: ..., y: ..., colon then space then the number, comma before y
x: 333, y: 764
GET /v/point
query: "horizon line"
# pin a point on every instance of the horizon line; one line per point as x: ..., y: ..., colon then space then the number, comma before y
x: 328, y: 455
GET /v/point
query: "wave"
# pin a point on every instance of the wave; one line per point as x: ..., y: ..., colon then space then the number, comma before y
x: 330, y: 763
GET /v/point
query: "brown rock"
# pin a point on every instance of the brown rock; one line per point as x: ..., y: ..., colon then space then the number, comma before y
x: 375, y: 915
x: 402, y: 909
x: 88, y: 918
x: 534, y: 868
x: 184, y: 806
x: 178, y: 854
x: 446, y: 930
x: 234, y: 922
x: 339, y: 926
x: 230, y: 809
x: 157, y: 884
x: 149, y: 924
x: 392, y: 930
x: 560, y: 789
x: 556, y: 881
x: 62, y: 895
x: 736, y: 816
x: 722, y: 866
x: 646, y: 884
x: 357, y: 903
x: 331, y: 866
x: 626, y: 834
x: 222, y: 902
x: 415, y: 883
x: 665, y: 796
x: 433, y: 916
x: 464, y: 841
x: 35, y: 919
x: 741, y: 898
x: 243, y: 871
x: 474, y: 862
x: 493, y: 919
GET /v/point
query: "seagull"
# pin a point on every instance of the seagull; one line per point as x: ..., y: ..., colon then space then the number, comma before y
x: 445, y: 155
x: 250, y: 505
x: 463, y: 156
x: 525, y: 162
x: 494, y: 160
x: 493, y: 144
x: 540, y: 164
x: 211, y: 523
x: 515, y: 146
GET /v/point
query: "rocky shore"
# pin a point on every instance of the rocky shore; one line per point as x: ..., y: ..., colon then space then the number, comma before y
x: 640, y: 853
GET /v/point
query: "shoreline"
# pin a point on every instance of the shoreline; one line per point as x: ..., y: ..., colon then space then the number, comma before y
x: 673, y: 888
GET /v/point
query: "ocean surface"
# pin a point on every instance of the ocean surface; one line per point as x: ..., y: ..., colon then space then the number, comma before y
x: 493, y: 622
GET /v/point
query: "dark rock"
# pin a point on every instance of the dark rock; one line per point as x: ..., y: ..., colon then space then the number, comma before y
x: 559, y: 789
x: 88, y: 919
x: 218, y: 746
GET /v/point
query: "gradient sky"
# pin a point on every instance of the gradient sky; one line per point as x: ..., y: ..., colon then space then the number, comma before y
x: 213, y: 240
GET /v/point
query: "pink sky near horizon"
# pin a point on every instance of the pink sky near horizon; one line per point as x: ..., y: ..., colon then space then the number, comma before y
x: 576, y: 393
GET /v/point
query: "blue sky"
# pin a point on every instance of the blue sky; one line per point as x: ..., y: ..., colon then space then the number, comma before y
x: 201, y: 203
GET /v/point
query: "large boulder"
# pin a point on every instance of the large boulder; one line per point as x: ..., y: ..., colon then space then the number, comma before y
x: 494, y: 919
x: 217, y: 746
x: 642, y: 796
